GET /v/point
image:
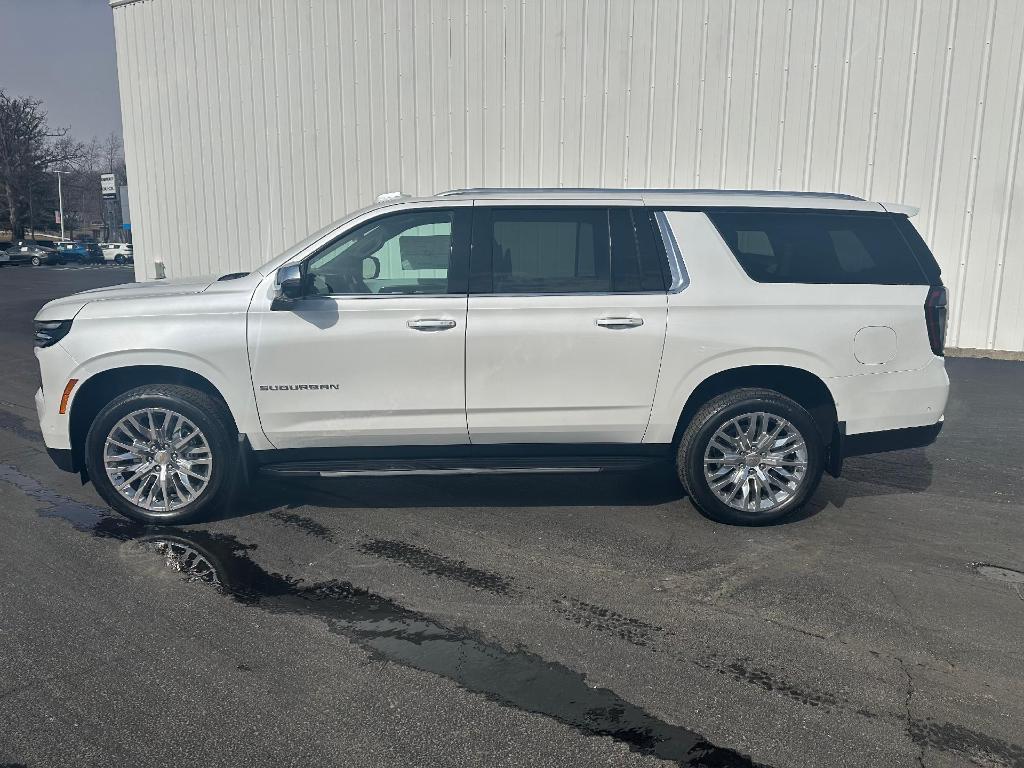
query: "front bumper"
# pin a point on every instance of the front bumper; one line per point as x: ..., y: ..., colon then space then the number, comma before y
x: 56, y: 367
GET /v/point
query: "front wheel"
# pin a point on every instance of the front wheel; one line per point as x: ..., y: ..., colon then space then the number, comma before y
x: 750, y: 457
x: 36, y: 261
x: 161, y: 454
x: 119, y: 259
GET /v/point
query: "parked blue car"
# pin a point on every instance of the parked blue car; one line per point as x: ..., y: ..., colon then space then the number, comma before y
x: 83, y: 253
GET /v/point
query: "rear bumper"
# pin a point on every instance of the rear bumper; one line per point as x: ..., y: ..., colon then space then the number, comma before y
x: 877, y: 402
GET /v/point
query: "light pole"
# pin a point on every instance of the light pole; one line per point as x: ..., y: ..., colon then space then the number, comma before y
x: 60, y: 198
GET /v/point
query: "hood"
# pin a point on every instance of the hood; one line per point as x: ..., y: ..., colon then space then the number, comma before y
x: 69, y: 306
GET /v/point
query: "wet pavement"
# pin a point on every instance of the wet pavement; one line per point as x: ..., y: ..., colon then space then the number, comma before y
x: 517, y: 621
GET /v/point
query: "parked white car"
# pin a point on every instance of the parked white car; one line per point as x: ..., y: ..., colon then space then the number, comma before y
x: 753, y: 339
x: 119, y: 253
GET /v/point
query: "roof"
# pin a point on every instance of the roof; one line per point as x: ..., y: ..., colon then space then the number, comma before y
x: 696, y: 198
x: 605, y: 192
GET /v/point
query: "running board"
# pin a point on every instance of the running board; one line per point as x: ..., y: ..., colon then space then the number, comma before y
x: 470, y: 466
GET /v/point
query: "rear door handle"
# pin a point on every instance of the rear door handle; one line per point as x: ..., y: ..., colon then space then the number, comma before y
x: 431, y: 324
x: 619, y: 322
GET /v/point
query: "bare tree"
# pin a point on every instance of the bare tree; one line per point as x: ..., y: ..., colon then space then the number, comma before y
x: 28, y: 148
x: 113, y: 156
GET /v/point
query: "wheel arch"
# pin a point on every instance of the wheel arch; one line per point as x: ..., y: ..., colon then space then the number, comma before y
x: 100, y: 388
x: 798, y: 384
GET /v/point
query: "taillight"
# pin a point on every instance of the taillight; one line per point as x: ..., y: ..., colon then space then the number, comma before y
x: 935, y: 318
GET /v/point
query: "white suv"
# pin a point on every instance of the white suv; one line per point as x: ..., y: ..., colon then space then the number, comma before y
x: 754, y: 339
x: 119, y: 253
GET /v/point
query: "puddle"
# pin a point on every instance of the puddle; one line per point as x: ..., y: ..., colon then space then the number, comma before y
x: 15, y: 425
x: 998, y: 573
x: 391, y: 632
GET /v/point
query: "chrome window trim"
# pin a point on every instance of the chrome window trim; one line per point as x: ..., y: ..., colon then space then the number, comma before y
x: 564, y: 294
x: 677, y: 267
x: 479, y: 295
x: 385, y: 296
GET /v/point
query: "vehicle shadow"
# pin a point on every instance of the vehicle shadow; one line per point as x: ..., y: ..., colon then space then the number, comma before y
x: 881, y: 474
x: 863, y: 477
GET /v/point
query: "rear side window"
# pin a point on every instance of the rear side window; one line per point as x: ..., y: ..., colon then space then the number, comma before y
x: 565, y: 250
x: 787, y: 246
x: 550, y: 250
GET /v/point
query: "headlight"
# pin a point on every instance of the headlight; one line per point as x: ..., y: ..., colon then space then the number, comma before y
x: 49, y: 332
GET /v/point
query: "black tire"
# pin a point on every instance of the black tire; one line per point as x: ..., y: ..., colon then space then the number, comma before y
x: 119, y: 259
x: 718, y: 412
x: 36, y: 261
x: 205, y: 412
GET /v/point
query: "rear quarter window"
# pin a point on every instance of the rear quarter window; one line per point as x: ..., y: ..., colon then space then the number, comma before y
x: 790, y: 246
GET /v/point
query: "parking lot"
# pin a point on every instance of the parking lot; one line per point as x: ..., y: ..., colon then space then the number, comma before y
x: 516, y: 621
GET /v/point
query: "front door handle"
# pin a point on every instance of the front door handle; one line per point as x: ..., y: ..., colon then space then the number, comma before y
x: 619, y: 322
x: 431, y: 324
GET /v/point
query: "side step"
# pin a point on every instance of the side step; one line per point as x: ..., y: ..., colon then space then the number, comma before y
x: 454, y: 466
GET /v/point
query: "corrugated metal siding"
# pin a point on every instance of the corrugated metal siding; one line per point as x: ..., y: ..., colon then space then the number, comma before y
x: 249, y: 123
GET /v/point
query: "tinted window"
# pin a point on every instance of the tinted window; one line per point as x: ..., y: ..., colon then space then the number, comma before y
x: 917, y: 244
x: 817, y: 247
x: 549, y: 250
x: 637, y: 255
x: 405, y: 253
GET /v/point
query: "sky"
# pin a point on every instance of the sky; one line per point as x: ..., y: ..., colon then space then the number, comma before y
x: 62, y: 51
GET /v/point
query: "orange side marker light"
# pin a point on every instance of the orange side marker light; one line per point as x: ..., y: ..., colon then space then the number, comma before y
x: 67, y: 396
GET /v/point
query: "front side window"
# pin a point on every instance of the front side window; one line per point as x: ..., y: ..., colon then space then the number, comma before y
x: 405, y: 253
x: 779, y: 246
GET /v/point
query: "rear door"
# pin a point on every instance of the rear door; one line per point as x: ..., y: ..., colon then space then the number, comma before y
x: 566, y: 324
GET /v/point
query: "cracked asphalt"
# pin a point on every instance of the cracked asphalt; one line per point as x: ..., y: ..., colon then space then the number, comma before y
x: 533, y: 621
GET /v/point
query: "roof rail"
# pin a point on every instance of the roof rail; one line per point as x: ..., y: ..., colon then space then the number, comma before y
x: 471, y: 191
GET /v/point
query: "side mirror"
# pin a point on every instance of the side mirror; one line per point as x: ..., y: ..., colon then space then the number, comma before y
x: 290, y: 287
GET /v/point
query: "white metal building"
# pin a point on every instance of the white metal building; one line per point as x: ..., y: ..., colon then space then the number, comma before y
x: 249, y: 123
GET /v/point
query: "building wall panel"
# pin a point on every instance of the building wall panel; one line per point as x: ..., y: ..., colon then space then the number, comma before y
x: 249, y: 123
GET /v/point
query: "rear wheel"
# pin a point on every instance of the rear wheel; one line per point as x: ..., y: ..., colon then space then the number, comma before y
x: 161, y: 454
x: 750, y: 457
x: 119, y: 259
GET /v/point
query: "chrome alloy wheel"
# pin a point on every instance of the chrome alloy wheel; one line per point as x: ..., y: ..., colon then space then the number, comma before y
x: 157, y: 459
x: 755, y: 462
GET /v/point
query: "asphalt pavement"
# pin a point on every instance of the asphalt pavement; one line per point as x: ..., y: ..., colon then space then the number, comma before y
x: 526, y: 621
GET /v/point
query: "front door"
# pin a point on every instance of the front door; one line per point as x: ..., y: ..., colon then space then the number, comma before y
x: 567, y: 317
x: 375, y: 355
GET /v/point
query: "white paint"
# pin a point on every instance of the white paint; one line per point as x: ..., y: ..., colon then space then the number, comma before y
x: 507, y: 368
